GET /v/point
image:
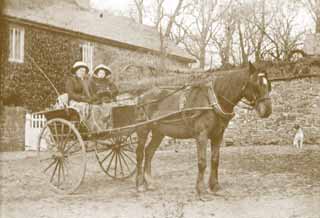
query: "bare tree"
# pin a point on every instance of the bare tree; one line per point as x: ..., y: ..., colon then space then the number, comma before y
x: 202, y: 25
x: 223, y: 40
x: 244, y: 43
x: 252, y: 24
x: 280, y: 34
x: 244, y: 13
x: 283, y: 35
x: 313, y: 7
x: 164, y: 23
x: 140, y: 8
x: 265, y: 29
x: 259, y: 19
x: 159, y: 13
x: 161, y: 20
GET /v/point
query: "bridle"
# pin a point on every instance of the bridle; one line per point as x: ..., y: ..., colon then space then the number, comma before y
x: 253, y: 103
x: 250, y: 105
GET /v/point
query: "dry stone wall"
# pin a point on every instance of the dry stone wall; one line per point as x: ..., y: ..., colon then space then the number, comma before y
x: 294, y: 102
x: 12, y: 122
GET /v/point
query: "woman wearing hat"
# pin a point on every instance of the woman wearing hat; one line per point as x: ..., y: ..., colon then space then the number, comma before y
x: 105, y: 91
x: 77, y: 85
x: 78, y: 89
x: 103, y: 87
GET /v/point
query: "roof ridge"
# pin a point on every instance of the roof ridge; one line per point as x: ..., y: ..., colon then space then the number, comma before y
x: 117, y: 28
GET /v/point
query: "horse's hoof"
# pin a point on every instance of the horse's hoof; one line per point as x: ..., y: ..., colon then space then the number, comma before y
x: 201, y: 188
x: 206, y: 197
x: 214, y: 189
x: 141, y: 188
x: 201, y: 191
x: 219, y: 192
x: 151, y: 187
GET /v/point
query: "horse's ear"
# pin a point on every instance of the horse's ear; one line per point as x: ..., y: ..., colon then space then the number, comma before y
x: 252, y: 68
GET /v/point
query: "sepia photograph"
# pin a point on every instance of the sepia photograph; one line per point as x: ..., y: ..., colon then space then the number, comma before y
x: 160, y: 109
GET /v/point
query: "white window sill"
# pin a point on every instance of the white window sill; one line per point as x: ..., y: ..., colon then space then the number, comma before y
x: 16, y: 61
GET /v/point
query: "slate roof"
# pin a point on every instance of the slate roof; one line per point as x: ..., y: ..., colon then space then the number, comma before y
x: 66, y: 14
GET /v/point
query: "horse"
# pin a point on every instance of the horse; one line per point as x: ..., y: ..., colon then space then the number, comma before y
x: 226, y: 90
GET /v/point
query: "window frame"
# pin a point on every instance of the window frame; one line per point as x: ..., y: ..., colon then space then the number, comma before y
x: 87, y: 52
x: 13, y: 33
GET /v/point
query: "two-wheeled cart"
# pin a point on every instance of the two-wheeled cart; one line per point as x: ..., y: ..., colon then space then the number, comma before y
x: 64, y: 142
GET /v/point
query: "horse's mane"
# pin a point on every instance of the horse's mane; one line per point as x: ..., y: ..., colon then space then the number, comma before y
x: 230, y: 82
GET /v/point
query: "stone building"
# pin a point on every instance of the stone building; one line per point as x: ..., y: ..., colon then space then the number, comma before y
x: 51, y: 35
x: 55, y: 34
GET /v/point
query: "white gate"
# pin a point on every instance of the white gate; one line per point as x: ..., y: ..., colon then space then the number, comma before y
x: 33, y: 127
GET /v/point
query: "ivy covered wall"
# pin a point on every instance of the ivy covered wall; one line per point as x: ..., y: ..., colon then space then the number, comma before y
x: 22, y: 84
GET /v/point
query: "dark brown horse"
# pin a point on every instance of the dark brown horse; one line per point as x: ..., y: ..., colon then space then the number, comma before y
x: 222, y: 94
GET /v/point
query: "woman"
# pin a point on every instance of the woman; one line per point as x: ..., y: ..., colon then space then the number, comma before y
x: 103, y: 87
x: 77, y: 85
x: 106, y: 92
x: 78, y: 89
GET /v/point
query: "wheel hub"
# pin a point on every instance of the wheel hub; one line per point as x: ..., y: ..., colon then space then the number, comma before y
x: 58, y: 155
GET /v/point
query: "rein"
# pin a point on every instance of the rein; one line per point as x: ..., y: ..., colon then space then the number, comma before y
x: 250, y: 104
x: 213, y: 100
x: 220, y: 109
x: 164, y: 97
x: 254, y: 103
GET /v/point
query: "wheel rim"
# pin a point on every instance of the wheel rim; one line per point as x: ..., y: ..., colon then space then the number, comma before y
x: 116, y: 156
x: 63, y: 161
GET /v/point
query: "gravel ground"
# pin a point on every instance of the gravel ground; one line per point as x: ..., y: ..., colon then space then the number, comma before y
x: 257, y: 181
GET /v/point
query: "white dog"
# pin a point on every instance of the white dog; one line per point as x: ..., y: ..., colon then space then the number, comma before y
x: 298, y: 138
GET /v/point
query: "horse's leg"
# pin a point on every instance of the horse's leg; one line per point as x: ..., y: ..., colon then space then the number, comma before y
x: 142, y: 138
x: 202, y: 141
x: 215, y: 154
x: 149, y: 153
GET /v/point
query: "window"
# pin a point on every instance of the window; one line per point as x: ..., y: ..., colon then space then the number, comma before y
x: 87, y: 54
x: 16, y: 47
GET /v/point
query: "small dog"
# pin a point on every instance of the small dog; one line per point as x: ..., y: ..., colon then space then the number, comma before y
x: 298, y: 138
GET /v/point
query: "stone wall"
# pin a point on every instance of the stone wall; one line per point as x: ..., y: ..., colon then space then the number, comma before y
x: 118, y: 58
x: 294, y: 102
x: 311, y: 44
x: 53, y: 52
x: 12, y: 127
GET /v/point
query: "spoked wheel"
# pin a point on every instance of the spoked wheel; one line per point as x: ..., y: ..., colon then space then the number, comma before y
x: 62, y: 155
x: 117, y: 156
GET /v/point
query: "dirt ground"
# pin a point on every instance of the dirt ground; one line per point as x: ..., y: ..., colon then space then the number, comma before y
x: 257, y: 182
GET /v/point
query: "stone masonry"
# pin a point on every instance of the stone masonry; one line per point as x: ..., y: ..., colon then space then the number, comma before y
x: 12, y: 123
x: 294, y: 102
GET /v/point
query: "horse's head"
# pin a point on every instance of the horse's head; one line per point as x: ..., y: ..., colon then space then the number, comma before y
x: 257, y: 91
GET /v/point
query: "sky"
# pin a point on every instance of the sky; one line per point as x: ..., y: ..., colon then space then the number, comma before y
x: 111, y: 4
x: 122, y: 5
x: 303, y: 21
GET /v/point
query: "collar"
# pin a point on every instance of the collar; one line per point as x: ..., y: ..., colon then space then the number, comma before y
x: 215, y: 103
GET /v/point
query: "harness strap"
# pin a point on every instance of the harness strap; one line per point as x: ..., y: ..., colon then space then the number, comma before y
x: 215, y: 103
